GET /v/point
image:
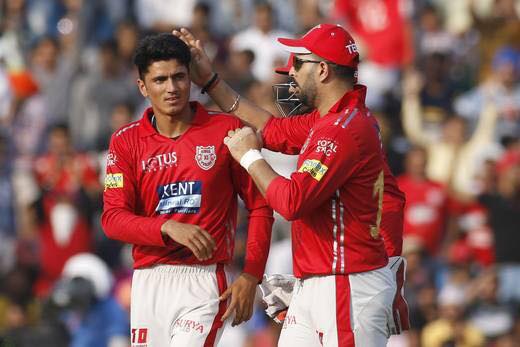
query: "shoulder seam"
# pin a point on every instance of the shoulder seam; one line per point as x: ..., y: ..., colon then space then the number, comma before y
x: 128, y: 127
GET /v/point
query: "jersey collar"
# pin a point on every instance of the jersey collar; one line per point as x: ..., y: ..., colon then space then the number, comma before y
x: 352, y: 98
x: 147, y: 129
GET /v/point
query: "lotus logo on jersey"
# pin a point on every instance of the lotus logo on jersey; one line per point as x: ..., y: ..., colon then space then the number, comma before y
x: 205, y: 157
x: 159, y: 162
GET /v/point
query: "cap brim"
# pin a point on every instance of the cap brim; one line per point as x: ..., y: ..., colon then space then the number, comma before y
x: 282, y: 70
x: 293, y: 46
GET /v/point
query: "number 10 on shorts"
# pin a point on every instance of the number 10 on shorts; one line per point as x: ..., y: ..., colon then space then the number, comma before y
x: 139, y: 336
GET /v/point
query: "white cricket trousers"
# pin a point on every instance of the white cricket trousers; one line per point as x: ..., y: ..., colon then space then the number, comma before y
x: 177, y: 305
x: 340, y: 310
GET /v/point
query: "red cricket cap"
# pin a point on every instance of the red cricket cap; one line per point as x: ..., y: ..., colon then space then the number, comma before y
x: 284, y: 70
x: 328, y: 41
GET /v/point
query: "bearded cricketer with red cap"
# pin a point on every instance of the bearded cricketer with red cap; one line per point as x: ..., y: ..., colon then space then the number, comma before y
x: 345, y: 292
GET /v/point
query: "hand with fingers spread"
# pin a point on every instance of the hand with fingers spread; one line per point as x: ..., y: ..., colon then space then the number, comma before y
x: 198, y: 240
x: 242, y: 293
x: 201, y: 70
x: 241, y: 140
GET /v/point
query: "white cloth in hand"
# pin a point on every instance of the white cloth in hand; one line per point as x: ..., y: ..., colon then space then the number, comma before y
x: 277, y: 293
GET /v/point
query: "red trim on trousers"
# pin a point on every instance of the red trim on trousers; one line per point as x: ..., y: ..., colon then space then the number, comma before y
x: 343, y: 323
x: 400, y: 306
x: 217, y: 323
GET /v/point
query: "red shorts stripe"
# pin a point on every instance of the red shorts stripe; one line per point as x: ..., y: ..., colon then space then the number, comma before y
x: 400, y: 306
x: 217, y: 323
x: 343, y: 323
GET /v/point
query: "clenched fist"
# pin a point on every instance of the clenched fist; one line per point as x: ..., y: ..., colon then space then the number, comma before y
x: 241, y: 140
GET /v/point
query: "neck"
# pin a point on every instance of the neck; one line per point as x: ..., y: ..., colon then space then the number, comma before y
x: 331, y: 94
x: 173, y: 125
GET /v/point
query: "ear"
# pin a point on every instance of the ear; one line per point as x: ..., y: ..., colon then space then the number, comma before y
x: 142, y: 87
x: 324, y: 71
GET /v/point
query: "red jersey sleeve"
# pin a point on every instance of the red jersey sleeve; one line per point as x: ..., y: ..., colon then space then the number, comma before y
x: 287, y: 135
x: 329, y: 159
x: 120, y: 220
x: 260, y: 222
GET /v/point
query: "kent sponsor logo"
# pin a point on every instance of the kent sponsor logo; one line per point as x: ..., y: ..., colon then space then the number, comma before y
x: 159, y: 162
x: 179, y: 197
x: 314, y: 167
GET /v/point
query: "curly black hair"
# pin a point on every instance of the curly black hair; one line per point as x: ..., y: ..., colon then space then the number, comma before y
x: 159, y: 47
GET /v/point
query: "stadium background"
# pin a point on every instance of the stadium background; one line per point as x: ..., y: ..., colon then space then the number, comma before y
x: 443, y: 80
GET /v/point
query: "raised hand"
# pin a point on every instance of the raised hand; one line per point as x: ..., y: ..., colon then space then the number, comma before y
x: 201, y: 69
x: 198, y: 240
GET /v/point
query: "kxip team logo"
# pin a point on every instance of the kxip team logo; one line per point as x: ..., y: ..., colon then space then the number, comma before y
x: 205, y: 157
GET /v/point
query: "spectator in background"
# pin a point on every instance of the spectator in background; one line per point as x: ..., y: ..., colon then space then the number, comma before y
x: 7, y: 207
x: 54, y: 71
x: 95, y: 94
x: 493, y: 318
x: 438, y: 90
x: 426, y: 203
x: 451, y: 329
x: 240, y: 75
x: 503, y: 204
x: 497, y: 28
x: 90, y: 312
x: 15, y: 33
x: 163, y: 15
x: 19, y: 311
x: 453, y: 158
x: 28, y: 117
x: 501, y: 87
x: 69, y: 188
x: 384, y: 36
x: 126, y: 36
x: 261, y: 40
x: 432, y: 37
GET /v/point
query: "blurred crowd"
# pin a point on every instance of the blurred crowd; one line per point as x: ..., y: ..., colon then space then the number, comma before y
x: 443, y: 80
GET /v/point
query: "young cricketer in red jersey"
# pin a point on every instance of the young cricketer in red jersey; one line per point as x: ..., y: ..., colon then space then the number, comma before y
x: 335, y: 198
x: 171, y: 190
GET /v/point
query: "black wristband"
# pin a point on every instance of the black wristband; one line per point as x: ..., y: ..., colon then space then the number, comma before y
x: 208, y: 85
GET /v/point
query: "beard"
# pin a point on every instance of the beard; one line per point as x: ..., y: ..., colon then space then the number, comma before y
x: 308, y: 93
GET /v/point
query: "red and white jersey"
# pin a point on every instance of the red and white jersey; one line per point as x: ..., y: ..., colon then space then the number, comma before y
x: 336, y: 197
x: 426, y: 211
x: 190, y: 179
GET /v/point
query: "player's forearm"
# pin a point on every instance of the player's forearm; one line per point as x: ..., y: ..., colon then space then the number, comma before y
x: 227, y: 99
x: 262, y: 174
x: 285, y: 201
x: 258, y: 241
x: 122, y: 225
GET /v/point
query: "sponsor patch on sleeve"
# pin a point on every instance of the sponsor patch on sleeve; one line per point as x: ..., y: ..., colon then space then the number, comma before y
x: 314, y: 167
x: 114, y: 180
